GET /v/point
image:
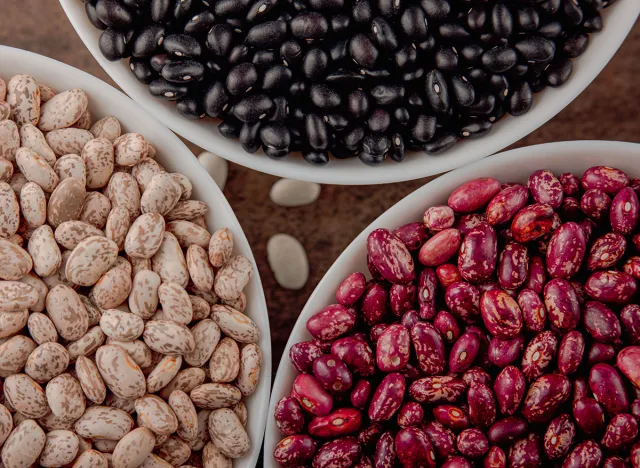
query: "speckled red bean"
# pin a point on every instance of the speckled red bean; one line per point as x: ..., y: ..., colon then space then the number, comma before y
x: 539, y: 355
x: 595, y: 203
x: 624, y: 211
x: 409, y: 319
x: 451, y: 416
x: 495, y: 458
x: 376, y: 331
x: 565, y: 251
x: 368, y: 436
x: 463, y: 300
x: 390, y: 256
x: 447, y: 274
x: 559, y: 437
x: 628, y: 361
x: 504, y: 206
x: 360, y: 394
x: 606, y: 251
x: 463, y: 352
x: 482, y: 405
x: 437, y: 389
x: 501, y: 314
x: 351, y: 289
x: 570, y: 209
x: 402, y: 297
x: 311, y: 396
x: 534, y: 315
x: 467, y: 222
x: 545, y: 396
x: 532, y: 222
x: 585, y: 455
x: 457, y: 462
x: 545, y: 188
x: 621, y: 431
x: 612, y: 286
x: 599, y: 352
x: 295, y: 450
x: 303, y: 354
x: 387, y: 398
x: 606, y: 178
x: 429, y: 348
x: 509, y: 388
x: 341, y: 422
x: 561, y: 302
x: 331, y: 322
x: 537, y: 275
x: 614, y: 462
x: 589, y: 416
x: 356, y: 354
x: 427, y: 289
x: 513, y: 266
x: 600, y: 322
x: 375, y: 303
x: 634, y: 455
x: 502, y: 353
x: 473, y: 195
x: 289, y: 417
x: 440, y: 248
x: 410, y: 414
x: 385, y: 453
x: 630, y: 318
x: 339, y: 453
x: 332, y: 373
x: 570, y: 183
x: 588, y: 226
x: 438, y: 217
x: 476, y: 375
x: 393, y: 348
x: 447, y: 325
x: 608, y: 388
x: 414, y: 450
x: 570, y: 352
x: 580, y: 388
x: 478, y: 253
x: 442, y: 438
x: 412, y: 235
x: 472, y: 443
x: 525, y: 453
x: 507, y: 430
x: 632, y: 266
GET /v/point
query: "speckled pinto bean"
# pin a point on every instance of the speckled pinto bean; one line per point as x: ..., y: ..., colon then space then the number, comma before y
x: 501, y: 314
x: 525, y: 452
x: 385, y: 452
x: 622, y: 430
x: 442, y: 438
x: 440, y: 248
x: 387, y: 397
x: 608, y: 179
x: 464, y: 352
x: 390, y: 256
x: 429, y: 348
x: 565, y: 251
x: 539, y: 355
x: 473, y: 195
x: 562, y: 304
x: 303, y: 354
x: 611, y: 286
x: 589, y: 416
x: 289, y: 417
x: 509, y: 388
x: 630, y: 318
x: 624, y: 211
x: 438, y: 217
x: 532, y: 222
x: 427, y: 289
x: 507, y: 430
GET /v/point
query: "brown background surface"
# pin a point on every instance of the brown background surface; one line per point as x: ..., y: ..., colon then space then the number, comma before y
x: 608, y: 109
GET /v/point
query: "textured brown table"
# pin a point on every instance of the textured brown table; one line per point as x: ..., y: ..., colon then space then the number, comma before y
x: 608, y: 109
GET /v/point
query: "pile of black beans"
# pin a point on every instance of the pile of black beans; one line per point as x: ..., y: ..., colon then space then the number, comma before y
x: 365, y: 78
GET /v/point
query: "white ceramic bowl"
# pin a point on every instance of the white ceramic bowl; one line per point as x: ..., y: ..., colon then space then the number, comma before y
x: 175, y: 156
x: 618, y: 20
x: 510, y: 166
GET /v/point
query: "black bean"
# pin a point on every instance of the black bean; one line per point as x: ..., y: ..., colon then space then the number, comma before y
x: 344, y: 77
x: 291, y: 52
x: 220, y: 40
x: 376, y: 144
x: 337, y: 122
x: 415, y: 100
x: 238, y: 53
x: 427, y: 45
x: 314, y: 64
x: 275, y: 138
x: 339, y: 50
x: 340, y: 152
x: 521, y: 99
x: 478, y: 76
x: 353, y: 138
x: 472, y: 53
x: 383, y: 34
x: 593, y: 5
x: 324, y: 97
x: 437, y: 91
x: 536, y: 49
x: 92, y: 15
x: 362, y: 50
x: 237, y: 25
x: 113, y: 14
x: 390, y: 8
x: 501, y: 20
x: 593, y: 24
x: 550, y: 30
x: 158, y: 61
x: 137, y: 4
x: 440, y: 143
x: 407, y: 77
x: 280, y: 109
x: 190, y: 107
x: 230, y: 127
x: 406, y: 56
x: 396, y: 152
x: 379, y: 121
x: 253, y: 108
x: 463, y: 91
x: 276, y: 78
x: 499, y: 85
x: 200, y: 24
x: 267, y: 35
x: 183, y: 9
x: 113, y: 44
x: 424, y: 128
x: 358, y: 103
x: 550, y: 6
x: 147, y: 41
x: 436, y: 9
x: 475, y: 128
x: 362, y: 11
x: 453, y: 32
x: 414, y: 23
x: 520, y: 69
x: 215, y: 100
x: 183, y: 71
x: 261, y: 9
x: 160, y: 10
x: 340, y: 24
x: 297, y: 88
x: 572, y: 12
x: 213, y: 66
x: 483, y: 105
x: 224, y: 8
x: 317, y: 158
x: 142, y: 70
x: 477, y: 19
x: 371, y: 159
x: 446, y: 59
x: 242, y: 78
x: 166, y: 90
x: 316, y: 131
x: 527, y: 18
x: 326, y: 4
x: 250, y: 137
x: 387, y: 94
x: 575, y: 45
x: 182, y: 45
x: 499, y: 59
x: 264, y: 59
x: 559, y: 72
x: 309, y: 26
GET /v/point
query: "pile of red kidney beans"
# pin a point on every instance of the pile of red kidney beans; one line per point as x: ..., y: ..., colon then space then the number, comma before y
x: 500, y: 331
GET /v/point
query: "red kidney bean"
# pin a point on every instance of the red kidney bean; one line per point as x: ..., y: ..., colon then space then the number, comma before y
x: 463, y: 352
x: 457, y: 462
x: 533, y: 311
x: 632, y: 267
x: 351, y: 289
x: 599, y: 352
x: 331, y: 322
x: 634, y: 455
x: 440, y: 248
x: 463, y: 300
x: 532, y: 222
x: 442, y: 438
x: 427, y: 289
x: 570, y: 209
x: 438, y: 217
x: 451, y: 416
x: 609, y: 179
x: 608, y: 388
x: 385, y: 454
x: 595, y: 203
x: 356, y: 354
x: 374, y: 305
x: 545, y: 188
x: 402, y: 297
x: 341, y: 422
x: 339, y: 453
x: 545, y: 396
x: 581, y: 388
x: 525, y: 453
x: 570, y: 183
x: 289, y: 417
x: 437, y: 389
x: 472, y: 443
x: 303, y: 354
x: 429, y: 348
x: 507, y: 430
x: 628, y: 362
x: 630, y: 317
x: 624, y: 211
x: 447, y: 274
x: 537, y: 275
x: 635, y: 408
x: 387, y: 398
x: 513, y: 267
x: 621, y: 431
x: 585, y: 455
x: 323, y: 345
x: 364, y: 462
x: 412, y: 235
x: 600, y: 322
x: 482, y: 405
x: 614, y: 462
x: 503, y: 353
x: 360, y: 394
x: 539, y: 355
x: 562, y: 304
x: 414, y: 450
x: 501, y: 314
x: 410, y: 414
x: 589, y: 416
x: 409, y: 319
x: 495, y: 458
x: 467, y: 222
x: 369, y: 436
x: 565, y: 251
x: 504, y: 206
x: 476, y: 375
x: 311, y: 396
x: 295, y: 450
x: 446, y: 324
x: 509, y: 388
x: 473, y: 195
x: 478, y: 253
x: 588, y: 227
x: 376, y: 331
x: 612, y: 286
x: 332, y: 373
x: 393, y: 348
x: 570, y: 352
x: 390, y: 256
x: 559, y: 437
x: 375, y: 274
x: 362, y: 336
x: 606, y: 251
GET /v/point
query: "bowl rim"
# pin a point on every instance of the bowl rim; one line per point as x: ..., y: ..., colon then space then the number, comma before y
x: 585, y: 153
x: 619, y: 19
x: 170, y: 148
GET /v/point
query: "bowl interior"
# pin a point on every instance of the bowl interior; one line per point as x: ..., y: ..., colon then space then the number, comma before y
x: 618, y: 21
x: 175, y: 156
x: 510, y: 166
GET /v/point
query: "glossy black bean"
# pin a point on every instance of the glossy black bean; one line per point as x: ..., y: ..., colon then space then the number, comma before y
x: 253, y: 108
x: 453, y: 32
x: 92, y: 15
x: 260, y: 10
x: 237, y: 25
x: 264, y: 59
x: 324, y: 97
x: 238, y: 53
x: 353, y: 138
x: 436, y: 9
x: 390, y: 8
x: 230, y: 127
x: 593, y: 24
x: 337, y: 122
x: 160, y: 10
x: 550, y: 6
x: 275, y: 138
x: 572, y: 12
x: 362, y: 11
x: 299, y: 114
x: 484, y: 105
x: 229, y: 8
x: 478, y: 76
x: 415, y: 100
x: 339, y: 50
x: 267, y: 35
x: 475, y: 128
x: 242, y: 78
x: 280, y: 109
x: 200, y: 24
x: 575, y: 45
x: 297, y: 88
x: 213, y: 66
x: 147, y: 41
x: 437, y: 91
x: 397, y: 151
x: 499, y: 85
x: 309, y: 25
x: 558, y: 72
x: 499, y: 59
x: 358, y: 103
x: 592, y: 6
x: 167, y: 90
x: 317, y: 158
x: 142, y: 70
x: 136, y: 4
x: 344, y: 77
x: 521, y: 99
x: 340, y: 152
x: 220, y: 40
x: 446, y: 59
x: 383, y: 34
x: 363, y: 51
x: 114, y: 14
x: 406, y: 56
x: 536, y: 49
x: 527, y: 18
x: 550, y: 30
x: 316, y: 131
x: 472, y: 53
x: 414, y: 75
x: 181, y: 45
x: 183, y: 71
x: 291, y: 52
x: 158, y: 61
x: 501, y: 20
x: 440, y: 143
x: 340, y: 23
x: 379, y: 121
x: 463, y: 91
x: 190, y: 107
x: 250, y: 137
x: 314, y: 64
x: 413, y: 23
x: 371, y: 159
x: 427, y: 45
x: 113, y: 44
x: 326, y: 4
x: 276, y: 78
x: 520, y: 69
x: 477, y: 19
x: 184, y: 9
x: 387, y: 94
x: 424, y: 128
x: 376, y: 144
